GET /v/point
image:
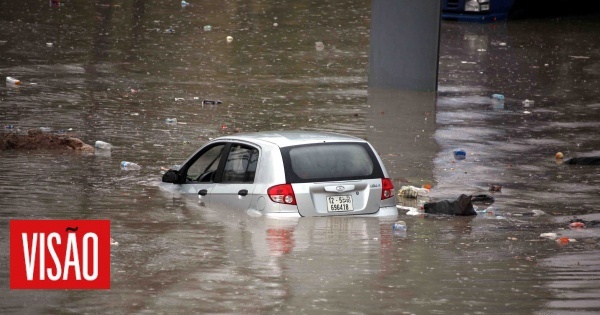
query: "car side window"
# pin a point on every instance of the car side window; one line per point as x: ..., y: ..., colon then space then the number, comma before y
x: 241, y: 164
x: 205, y: 166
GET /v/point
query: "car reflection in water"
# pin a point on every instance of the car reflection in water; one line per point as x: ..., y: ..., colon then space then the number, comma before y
x: 282, y: 256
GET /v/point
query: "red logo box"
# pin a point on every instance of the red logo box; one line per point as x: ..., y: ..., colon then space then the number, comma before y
x: 60, y: 254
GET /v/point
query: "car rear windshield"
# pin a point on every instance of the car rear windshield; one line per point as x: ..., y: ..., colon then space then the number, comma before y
x: 330, y: 162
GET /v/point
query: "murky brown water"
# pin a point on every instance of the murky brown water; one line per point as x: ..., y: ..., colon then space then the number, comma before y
x: 115, y: 71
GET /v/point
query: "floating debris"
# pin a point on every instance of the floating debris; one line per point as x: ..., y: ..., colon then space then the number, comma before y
x: 211, y: 102
x: 460, y: 154
x: 550, y: 236
x: 399, y: 226
x: 496, y: 188
x: 527, y: 102
x: 13, y: 81
x: 577, y: 225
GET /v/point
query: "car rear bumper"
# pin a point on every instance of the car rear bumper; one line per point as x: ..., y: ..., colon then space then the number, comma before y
x: 390, y: 211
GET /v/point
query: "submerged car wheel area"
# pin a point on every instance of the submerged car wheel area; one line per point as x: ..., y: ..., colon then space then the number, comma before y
x: 292, y: 172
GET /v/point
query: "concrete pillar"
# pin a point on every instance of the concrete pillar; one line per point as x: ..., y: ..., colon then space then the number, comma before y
x: 404, y: 49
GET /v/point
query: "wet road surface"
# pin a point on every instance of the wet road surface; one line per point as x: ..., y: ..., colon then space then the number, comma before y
x: 117, y: 69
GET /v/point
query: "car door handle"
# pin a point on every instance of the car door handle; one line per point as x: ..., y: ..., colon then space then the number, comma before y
x: 243, y: 192
x: 203, y: 192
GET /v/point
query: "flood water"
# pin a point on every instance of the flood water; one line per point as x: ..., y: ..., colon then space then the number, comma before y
x: 117, y: 69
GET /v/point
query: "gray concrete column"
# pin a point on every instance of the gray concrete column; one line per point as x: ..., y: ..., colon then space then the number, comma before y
x: 404, y: 49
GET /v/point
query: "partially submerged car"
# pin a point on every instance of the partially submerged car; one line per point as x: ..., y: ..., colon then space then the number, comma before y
x: 295, y: 173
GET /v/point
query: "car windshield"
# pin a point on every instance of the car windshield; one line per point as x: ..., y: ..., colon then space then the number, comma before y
x: 330, y: 162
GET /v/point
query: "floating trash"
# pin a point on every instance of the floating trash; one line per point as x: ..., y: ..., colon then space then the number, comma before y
x: 130, y: 166
x: 319, y: 46
x: 565, y: 240
x: 496, y: 188
x: 412, y: 191
x: 211, y: 102
x: 577, y: 225
x: 460, y: 154
x: 528, y: 102
x: 410, y: 210
x: 13, y: 81
x: 399, y: 226
x: 102, y: 145
x: 550, y: 236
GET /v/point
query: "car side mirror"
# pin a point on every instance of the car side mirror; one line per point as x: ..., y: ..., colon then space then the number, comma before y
x: 171, y: 176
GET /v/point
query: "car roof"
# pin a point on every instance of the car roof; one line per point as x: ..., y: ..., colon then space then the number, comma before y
x: 291, y: 138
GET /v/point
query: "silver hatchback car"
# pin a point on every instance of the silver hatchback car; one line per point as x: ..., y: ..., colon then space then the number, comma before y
x: 293, y: 173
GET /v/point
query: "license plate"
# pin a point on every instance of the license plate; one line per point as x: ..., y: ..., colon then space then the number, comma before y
x: 339, y: 203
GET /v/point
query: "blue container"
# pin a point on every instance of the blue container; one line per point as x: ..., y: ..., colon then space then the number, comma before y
x: 460, y: 154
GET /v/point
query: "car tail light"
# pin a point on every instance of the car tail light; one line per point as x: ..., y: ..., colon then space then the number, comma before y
x: 283, y: 193
x: 387, y: 188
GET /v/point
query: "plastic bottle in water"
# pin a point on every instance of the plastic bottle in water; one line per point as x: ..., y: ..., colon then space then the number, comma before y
x: 103, y: 145
x: 130, y: 166
x: 498, y: 97
x: 13, y: 81
x: 399, y: 226
x: 171, y: 121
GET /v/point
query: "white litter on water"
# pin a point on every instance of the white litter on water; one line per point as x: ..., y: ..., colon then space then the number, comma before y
x: 412, y: 191
x: 551, y: 236
x: 411, y: 210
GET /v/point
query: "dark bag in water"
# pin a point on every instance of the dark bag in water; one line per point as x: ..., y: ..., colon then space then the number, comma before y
x: 461, y: 206
x: 592, y: 160
x: 483, y: 198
